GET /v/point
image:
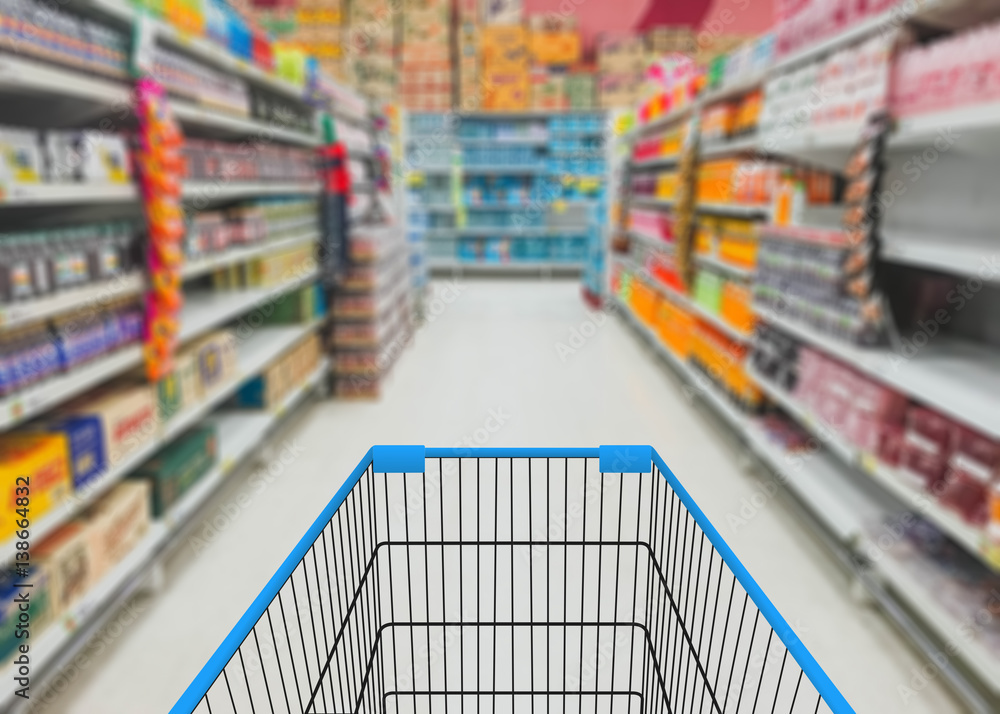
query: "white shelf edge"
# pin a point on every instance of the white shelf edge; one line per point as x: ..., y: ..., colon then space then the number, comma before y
x: 741, y: 210
x: 934, y: 252
x: 16, y: 314
x: 237, y: 303
x: 220, y: 191
x: 671, y: 160
x: 713, y: 149
x: 242, y: 254
x: 36, y: 75
x: 722, y: 266
x: 743, y: 85
x: 188, y: 112
x: 51, y: 194
x: 653, y: 202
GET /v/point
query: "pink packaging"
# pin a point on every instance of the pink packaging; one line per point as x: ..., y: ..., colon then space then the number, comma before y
x: 971, y: 472
x: 891, y: 444
x: 927, y: 445
x: 879, y: 402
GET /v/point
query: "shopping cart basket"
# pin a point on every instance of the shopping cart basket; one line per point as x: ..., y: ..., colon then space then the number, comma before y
x: 514, y: 580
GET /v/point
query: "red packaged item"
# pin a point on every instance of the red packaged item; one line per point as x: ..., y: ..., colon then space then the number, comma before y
x: 891, y: 444
x: 971, y: 472
x: 927, y: 446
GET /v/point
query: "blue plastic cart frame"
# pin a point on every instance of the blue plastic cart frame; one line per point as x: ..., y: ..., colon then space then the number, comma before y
x: 693, y: 647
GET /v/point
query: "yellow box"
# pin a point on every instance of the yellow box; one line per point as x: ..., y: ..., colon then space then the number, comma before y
x: 505, y: 47
x: 41, y: 462
x: 555, y: 48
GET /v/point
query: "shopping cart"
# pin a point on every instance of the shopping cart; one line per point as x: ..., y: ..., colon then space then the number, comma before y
x: 514, y: 580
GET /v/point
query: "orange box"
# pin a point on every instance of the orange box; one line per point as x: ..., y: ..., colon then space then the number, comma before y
x: 505, y: 47
x: 555, y: 48
x: 506, y: 91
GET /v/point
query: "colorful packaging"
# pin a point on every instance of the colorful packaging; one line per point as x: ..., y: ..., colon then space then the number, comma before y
x: 39, y: 611
x: 128, y: 414
x: 84, y: 443
x: 116, y: 523
x: 40, y: 462
x: 67, y: 558
x: 178, y: 466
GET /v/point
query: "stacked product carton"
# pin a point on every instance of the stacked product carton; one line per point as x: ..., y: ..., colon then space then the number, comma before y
x: 425, y: 72
x: 467, y: 44
x: 621, y: 60
x: 369, y: 49
x: 555, y: 46
x: 505, y: 68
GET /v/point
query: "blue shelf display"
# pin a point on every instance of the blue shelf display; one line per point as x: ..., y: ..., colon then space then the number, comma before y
x: 524, y: 190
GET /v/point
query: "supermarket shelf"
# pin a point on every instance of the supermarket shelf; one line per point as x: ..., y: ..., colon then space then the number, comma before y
x: 958, y: 254
x: 718, y: 322
x: 503, y: 170
x: 38, y: 399
x: 969, y: 537
x: 723, y: 266
x: 204, y: 311
x: 52, y: 194
x: 714, y: 149
x: 651, y: 242
x: 20, y: 76
x: 526, y: 266
x: 239, y: 434
x: 671, y: 160
x: 945, y: 625
x: 660, y: 122
x: 972, y: 123
x: 190, y: 114
x: 737, y: 210
x: 829, y: 147
x: 209, y: 263
x: 733, y: 89
x: 259, y: 350
x: 74, y: 300
x: 652, y: 202
x: 959, y: 378
x: 511, y: 141
x: 221, y: 191
x: 883, y: 21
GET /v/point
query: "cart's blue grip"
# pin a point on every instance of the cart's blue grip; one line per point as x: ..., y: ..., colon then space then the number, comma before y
x: 398, y: 459
x: 626, y: 459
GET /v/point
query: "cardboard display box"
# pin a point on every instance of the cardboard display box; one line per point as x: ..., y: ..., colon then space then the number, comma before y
x: 116, y: 523
x: 41, y: 460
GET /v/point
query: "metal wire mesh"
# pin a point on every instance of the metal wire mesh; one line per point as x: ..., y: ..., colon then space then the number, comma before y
x: 512, y: 585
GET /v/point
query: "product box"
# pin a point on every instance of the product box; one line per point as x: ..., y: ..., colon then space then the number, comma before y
x: 39, y: 608
x: 169, y: 396
x: 84, y: 442
x: 501, y: 12
x: 555, y: 48
x: 621, y: 53
x: 116, y: 523
x: 548, y: 90
x: 618, y: 91
x: 506, y: 91
x: 43, y: 461
x: 296, y: 307
x: 67, y: 558
x: 580, y: 90
x: 128, y: 413
x: 20, y: 156
x: 178, y: 466
x: 186, y: 374
x: 504, y: 48
x: 664, y: 40
x: 216, y: 360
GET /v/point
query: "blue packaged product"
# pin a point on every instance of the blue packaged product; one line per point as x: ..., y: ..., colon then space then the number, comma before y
x: 85, y: 439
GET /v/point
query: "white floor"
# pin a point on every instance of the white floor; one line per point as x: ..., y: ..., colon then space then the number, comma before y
x: 493, y: 349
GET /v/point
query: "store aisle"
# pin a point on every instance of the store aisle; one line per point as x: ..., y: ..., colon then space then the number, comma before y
x: 504, y: 364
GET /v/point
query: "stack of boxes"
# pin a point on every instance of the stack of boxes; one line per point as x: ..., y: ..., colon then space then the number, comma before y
x: 621, y: 62
x: 505, y: 68
x: 467, y: 44
x: 555, y: 46
x: 314, y: 26
x: 425, y: 72
x: 370, y: 47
